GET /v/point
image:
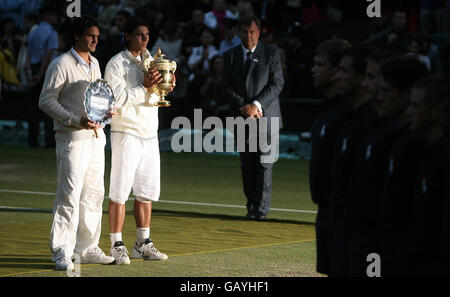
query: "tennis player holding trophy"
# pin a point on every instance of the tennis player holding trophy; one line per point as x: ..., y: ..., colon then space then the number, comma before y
x: 140, y: 84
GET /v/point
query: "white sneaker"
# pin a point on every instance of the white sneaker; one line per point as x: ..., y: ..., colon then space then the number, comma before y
x: 147, y: 251
x: 96, y: 256
x: 120, y: 253
x: 64, y: 264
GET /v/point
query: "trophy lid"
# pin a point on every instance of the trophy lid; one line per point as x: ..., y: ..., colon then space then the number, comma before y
x: 162, y: 63
x: 159, y: 57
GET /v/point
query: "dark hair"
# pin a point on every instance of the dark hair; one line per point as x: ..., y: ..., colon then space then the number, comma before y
x: 379, y: 56
x: 208, y: 30
x: 230, y: 23
x: 402, y: 72
x: 359, y: 55
x: 133, y: 24
x: 32, y: 17
x: 437, y: 89
x: 332, y: 49
x: 125, y: 14
x: 49, y: 8
x: 79, y: 25
x: 437, y: 94
x: 248, y: 20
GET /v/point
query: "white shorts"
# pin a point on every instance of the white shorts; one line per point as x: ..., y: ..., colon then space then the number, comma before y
x: 135, y: 164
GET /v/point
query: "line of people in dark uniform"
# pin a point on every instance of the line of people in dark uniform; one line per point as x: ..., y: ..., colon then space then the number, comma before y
x: 379, y: 170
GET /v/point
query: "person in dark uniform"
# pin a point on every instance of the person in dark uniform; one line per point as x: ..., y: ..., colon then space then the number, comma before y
x: 350, y: 76
x: 371, y: 160
x: 427, y: 99
x: 323, y: 137
x: 445, y: 235
x: 398, y: 76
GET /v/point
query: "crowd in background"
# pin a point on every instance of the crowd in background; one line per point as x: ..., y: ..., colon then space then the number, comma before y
x: 196, y: 33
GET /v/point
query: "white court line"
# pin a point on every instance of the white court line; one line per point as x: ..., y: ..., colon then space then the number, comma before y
x: 162, y: 201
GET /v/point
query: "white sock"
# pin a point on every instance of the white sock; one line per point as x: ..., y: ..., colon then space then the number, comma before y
x: 115, y: 237
x: 142, y: 234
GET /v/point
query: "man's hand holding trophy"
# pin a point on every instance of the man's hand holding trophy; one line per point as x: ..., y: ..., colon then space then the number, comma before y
x: 159, y: 76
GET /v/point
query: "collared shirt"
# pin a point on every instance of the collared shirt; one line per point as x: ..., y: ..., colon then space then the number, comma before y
x: 88, y: 67
x: 226, y: 45
x: 245, y: 51
x: 41, y: 40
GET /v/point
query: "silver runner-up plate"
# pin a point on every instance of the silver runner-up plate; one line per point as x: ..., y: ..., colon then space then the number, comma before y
x: 99, y: 99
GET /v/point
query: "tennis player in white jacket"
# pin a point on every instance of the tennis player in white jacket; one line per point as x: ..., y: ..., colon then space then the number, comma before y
x: 135, y: 162
x: 80, y: 154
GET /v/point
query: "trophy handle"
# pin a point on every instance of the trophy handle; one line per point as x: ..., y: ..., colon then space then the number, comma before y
x: 174, y: 65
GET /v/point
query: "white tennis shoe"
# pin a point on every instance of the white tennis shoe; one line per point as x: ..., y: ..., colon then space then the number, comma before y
x: 120, y: 253
x: 147, y: 251
x: 96, y: 256
x: 64, y: 264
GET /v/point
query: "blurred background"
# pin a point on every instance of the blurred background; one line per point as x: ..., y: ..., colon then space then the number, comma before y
x: 180, y: 27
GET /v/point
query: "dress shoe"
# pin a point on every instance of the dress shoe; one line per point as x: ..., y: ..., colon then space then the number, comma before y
x: 261, y: 217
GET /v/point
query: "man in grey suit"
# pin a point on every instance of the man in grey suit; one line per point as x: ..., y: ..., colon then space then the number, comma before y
x: 252, y: 80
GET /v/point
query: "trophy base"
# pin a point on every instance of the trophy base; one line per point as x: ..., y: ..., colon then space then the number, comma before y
x: 162, y: 103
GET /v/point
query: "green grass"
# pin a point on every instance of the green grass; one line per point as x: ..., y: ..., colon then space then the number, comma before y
x: 201, y: 240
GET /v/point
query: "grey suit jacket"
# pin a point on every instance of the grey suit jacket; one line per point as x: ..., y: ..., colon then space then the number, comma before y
x: 264, y: 81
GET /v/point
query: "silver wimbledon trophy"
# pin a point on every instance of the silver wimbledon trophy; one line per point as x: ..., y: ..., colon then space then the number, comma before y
x: 99, y: 99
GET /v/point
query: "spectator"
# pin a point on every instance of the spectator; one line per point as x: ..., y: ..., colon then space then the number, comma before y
x: 23, y: 63
x: 116, y: 40
x: 214, y: 18
x: 431, y: 16
x: 415, y: 49
x: 192, y: 31
x: 231, y: 38
x: 244, y: 8
x: 198, y: 64
x: 334, y: 13
x: 198, y: 61
x: 106, y: 15
x: 396, y: 37
x: 8, y: 37
x: 447, y: 17
x: 170, y: 40
x: 10, y: 9
x: 298, y: 76
x: 432, y: 51
x: 212, y: 104
x: 8, y: 71
x: 399, y: 36
x: 42, y: 47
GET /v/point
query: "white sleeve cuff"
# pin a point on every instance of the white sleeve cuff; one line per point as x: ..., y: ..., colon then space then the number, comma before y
x: 258, y: 105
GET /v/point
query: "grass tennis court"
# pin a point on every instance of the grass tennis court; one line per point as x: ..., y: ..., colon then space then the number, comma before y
x: 199, y: 221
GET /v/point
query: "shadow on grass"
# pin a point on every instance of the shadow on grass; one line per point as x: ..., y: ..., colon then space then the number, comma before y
x: 36, y: 262
x: 191, y: 214
x: 224, y: 217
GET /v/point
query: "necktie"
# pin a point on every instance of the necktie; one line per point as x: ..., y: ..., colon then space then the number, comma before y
x: 248, y: 61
